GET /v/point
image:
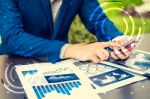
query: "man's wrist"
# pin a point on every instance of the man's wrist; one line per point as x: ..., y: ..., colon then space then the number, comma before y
x: 63, y: 51
x: 71, y: 50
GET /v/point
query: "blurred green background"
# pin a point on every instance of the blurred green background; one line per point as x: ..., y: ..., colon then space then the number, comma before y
x: 79, y: 34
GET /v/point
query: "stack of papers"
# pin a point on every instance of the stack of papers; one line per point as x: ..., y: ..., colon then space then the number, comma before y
x: 71, y: 79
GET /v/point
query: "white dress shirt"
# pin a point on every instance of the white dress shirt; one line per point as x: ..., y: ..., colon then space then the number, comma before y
x: 55, y: 4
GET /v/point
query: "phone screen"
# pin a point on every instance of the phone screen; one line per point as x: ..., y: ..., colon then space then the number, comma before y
x: 130, y: 44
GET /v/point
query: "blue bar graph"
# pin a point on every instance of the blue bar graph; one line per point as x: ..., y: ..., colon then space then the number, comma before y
x: 76, y: 85
x: 57, y: 89
x: 71, y: 84
x: 40, y: 91
x: 44, y: 89
x: 36, y: 92
x: 66, y: 90
x: 47, y: 88
x: 68, y: 86
x: 51, y: 87
x: 61, y: 88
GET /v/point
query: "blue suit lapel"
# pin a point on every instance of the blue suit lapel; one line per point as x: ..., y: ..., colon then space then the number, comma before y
x: 48, y: 11
x: 60, y: 17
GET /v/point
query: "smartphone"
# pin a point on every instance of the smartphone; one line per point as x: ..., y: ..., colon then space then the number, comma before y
x: 130, y: 44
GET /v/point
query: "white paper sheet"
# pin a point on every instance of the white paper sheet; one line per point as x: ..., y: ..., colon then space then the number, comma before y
x: 105, y: 78
x: 48, y: 81
x: 138, y: 62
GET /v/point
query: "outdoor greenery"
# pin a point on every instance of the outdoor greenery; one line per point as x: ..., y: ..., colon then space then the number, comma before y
x: 78, y: 33
x: 126, y: 3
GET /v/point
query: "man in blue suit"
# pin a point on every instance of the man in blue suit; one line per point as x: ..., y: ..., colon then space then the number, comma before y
x: 37, y: 28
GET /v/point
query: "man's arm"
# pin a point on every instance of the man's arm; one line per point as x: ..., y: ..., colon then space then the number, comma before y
x: 17, y: 41
x: 96, y: 21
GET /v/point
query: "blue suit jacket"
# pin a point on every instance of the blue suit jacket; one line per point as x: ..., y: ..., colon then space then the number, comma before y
x: 26, y: 26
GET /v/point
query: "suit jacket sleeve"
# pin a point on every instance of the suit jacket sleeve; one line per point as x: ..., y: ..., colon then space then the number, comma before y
x: 17, y: 41
x: 96, y: 21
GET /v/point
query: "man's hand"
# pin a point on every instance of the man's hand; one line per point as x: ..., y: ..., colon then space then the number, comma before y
x: 123, y: 53
x: 94, y: 51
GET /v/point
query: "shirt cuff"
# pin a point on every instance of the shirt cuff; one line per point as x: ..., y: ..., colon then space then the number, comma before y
x: 62, y: 52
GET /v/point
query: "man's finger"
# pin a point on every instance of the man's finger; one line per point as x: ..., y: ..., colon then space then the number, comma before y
x: 125, y: 52
x: 119, y: 54
x: 114, y: 55
x: 110, y: 44
x: 106, y: 53
x: 101, y: 55
x: 95, y: 59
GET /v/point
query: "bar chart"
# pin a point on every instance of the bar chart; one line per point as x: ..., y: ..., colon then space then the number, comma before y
x: 64, y: 88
